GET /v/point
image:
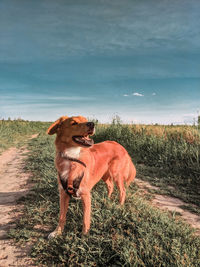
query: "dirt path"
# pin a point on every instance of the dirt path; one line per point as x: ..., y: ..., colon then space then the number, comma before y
x: 171, y: 204
x: 13, y: 185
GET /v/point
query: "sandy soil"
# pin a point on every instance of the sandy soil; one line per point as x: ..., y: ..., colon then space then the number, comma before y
x: 172, y: 204
x: 13, y: 185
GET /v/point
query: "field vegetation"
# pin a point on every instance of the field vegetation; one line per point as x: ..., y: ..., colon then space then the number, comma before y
x: 190, y: 134
x: 167, y: 156
x: 16, y: 132
x: 134, y: 235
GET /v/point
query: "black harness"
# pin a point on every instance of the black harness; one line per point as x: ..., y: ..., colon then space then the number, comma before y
x: 71, y: 190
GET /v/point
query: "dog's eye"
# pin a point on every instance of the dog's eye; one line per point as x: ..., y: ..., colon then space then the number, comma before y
x: 74, y: 123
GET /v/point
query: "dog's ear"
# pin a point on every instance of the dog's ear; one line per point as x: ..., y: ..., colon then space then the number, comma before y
x: 56, y: 125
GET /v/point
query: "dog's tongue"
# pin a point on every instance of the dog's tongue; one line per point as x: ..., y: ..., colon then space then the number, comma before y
x: 85, y: 140
x: 88, y: 140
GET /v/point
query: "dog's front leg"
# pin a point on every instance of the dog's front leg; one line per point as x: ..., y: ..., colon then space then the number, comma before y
x: 86, y: 200
x: 64, y: 203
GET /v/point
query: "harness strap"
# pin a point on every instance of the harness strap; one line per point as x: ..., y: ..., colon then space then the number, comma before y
x: 71, y: 187
x: 71, y: 191
x: 64, y: 184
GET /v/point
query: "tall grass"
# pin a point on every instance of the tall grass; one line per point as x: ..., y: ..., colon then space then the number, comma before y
x: 190, y: 134
x: 148, y: 148
x: 176, y: 162
x: 15, y: 132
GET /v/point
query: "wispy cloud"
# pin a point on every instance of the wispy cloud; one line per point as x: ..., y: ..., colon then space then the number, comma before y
x: 125, y: 95
x: 70, y: 98
x: 39, y: 97
x: 153, y: 93
x: 137, y: 94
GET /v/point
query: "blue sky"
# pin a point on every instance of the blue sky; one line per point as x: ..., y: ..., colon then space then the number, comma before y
x: 98, y: 58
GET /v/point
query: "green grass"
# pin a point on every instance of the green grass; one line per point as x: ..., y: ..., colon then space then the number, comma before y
x: 133, y: 235
x: 16, y: 132
x: 175, y: 185
x: 162, y: 162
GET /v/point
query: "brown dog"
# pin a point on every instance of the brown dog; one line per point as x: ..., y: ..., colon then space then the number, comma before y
x: 81, y: 164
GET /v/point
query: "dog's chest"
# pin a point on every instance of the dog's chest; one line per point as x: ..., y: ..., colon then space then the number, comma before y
x: 62, y: 166
x: 70, y: 175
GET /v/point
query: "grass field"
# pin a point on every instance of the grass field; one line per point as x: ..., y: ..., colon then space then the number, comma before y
x: 134, y: 235
x: 167, y: 159
x: 15, y: 133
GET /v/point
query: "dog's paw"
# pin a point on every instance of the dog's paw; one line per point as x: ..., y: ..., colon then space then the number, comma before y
x: 53, y: 234
x: 85, y: 232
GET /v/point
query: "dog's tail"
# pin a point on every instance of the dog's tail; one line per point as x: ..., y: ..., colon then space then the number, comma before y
x: 132, y: 173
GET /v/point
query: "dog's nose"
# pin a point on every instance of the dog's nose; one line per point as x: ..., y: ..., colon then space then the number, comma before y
x: 90, y: 125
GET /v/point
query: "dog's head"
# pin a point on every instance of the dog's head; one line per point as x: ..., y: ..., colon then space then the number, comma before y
x: 74, y: 131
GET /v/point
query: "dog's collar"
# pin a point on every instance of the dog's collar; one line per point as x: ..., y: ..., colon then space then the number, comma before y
x: 62, y: 155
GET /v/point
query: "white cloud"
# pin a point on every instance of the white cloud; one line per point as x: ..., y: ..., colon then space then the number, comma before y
x: 40, y: 97
x: 137, y: 94
x: 72, y: 98
x: 125, y: 95
x: 154, y: 94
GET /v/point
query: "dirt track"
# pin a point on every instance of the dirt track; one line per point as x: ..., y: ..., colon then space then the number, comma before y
x: 172, y: 204
x: 13, y: 185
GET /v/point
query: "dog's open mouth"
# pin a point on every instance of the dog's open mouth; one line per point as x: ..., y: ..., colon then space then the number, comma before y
x: 83, y: 140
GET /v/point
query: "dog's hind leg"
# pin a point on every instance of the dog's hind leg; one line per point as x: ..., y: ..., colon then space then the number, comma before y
x: 122, y: 189
x: 64, y: 203
x: 109, y: 183
x: 131, y: 174
x: 110, y: 186
x: 117, y: 174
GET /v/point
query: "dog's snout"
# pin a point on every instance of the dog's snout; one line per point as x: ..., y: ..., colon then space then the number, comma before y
x: 90, y: 125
